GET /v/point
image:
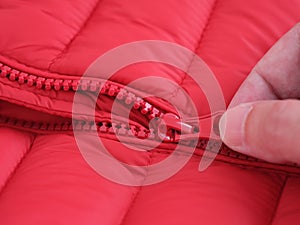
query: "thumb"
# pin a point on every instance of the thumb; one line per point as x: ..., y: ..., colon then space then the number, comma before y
x: 269, y: 130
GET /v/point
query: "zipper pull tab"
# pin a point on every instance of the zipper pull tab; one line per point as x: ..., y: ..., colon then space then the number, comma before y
x: 172, y: 129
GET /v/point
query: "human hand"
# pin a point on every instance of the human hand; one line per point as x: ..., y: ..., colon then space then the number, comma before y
x: 263, y: 119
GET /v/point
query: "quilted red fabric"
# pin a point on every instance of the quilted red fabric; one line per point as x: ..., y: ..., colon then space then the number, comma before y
x: 46, y: 47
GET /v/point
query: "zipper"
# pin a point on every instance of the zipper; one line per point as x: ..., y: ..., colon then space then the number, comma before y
x: 106, y: 88
x: 168, y: 128
x: 107, y: 128
x: 174, y: 129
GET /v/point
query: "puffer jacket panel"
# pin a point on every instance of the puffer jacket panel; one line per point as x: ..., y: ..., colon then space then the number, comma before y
x: 65, y: 46
x: 46, y: 48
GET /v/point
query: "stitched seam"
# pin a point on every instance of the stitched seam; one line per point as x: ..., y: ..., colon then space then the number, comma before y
x: 133, y: 201
x: 75, y: 36
x: 261, y: 168
x: 136, y: 195
x: 33, y: 67
x: 33, y: 106
x: 13, y: 172
x: 200, y: 39
x: 278, y: 201
x: 202, y: 35
x: 80, y: 30
x: 197, y: 47
x: 244, y: 166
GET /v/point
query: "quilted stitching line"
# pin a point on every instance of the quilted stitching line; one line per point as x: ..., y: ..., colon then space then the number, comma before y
x: 135, y: 197
x: 133, y: 201
x: 273, y: 215
x: 226, y: 160
x: 14, y: 170
x: 75, y: 36
x: 213, y: 9
x: 14, y: 60
x: 174, y: 93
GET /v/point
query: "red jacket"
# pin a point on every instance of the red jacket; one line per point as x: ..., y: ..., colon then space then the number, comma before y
x: 53, y: 167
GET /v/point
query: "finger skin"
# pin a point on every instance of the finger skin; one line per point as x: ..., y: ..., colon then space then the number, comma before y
x: 270, y: 130
x: 277, y: 74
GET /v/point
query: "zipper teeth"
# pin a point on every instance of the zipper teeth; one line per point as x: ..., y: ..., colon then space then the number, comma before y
x: 105, y: 127
x: 106, y: 88
x: 123, y: 130
x: 101, y: 127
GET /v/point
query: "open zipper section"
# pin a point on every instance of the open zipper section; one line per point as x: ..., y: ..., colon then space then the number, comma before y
x: 106, y: 127
x: 108, y: 88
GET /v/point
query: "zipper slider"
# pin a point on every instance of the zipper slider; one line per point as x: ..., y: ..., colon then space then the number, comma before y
x: 172, y: 129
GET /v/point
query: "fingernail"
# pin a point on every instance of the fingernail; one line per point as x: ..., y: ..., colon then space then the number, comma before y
x: 232, y: 126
